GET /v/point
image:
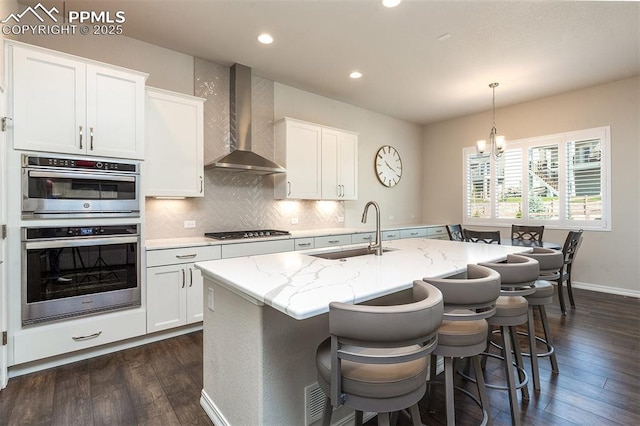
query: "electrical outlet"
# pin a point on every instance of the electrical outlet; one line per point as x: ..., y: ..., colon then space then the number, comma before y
x: 294, y: 220
x: 189, y: 223
x: 210, y: 298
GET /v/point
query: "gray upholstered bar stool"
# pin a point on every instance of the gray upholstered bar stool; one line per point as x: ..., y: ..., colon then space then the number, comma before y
x: 518, y: 276
x: 375, y: 359
x: 550, y: 262
x: 463, y: 333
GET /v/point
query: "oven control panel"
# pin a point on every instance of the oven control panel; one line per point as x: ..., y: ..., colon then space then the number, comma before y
x: 78, y: 231
x: 75, y: 163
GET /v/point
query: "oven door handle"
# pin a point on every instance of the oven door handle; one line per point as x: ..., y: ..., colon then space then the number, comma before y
x: 79, y: 242
x: 117, y: 178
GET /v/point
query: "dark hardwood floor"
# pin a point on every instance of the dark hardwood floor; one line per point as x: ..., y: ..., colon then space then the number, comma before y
x: 159, y: 384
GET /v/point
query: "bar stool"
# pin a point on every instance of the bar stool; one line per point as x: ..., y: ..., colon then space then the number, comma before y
x: 467, y: 304
x: 517, y: 275
x: 375, y: 359
x: 550, y: 262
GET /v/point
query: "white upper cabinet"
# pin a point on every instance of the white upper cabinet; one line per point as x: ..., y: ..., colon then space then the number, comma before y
x: 339, y: 165
x: 62, y: 103
x: 321, y: 162
x: 174, y: 136
x: 298, y: 149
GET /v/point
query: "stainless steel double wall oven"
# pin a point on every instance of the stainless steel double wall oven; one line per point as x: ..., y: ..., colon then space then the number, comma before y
x: 77, y: 260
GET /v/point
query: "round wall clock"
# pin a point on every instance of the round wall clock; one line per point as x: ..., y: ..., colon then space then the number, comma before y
x: 388, y: 166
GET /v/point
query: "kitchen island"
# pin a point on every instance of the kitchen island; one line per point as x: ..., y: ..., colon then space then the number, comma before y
x: 265, y: 315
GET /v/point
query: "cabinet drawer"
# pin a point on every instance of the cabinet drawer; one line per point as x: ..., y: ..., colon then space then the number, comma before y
x: 182, y: 255
x: 55, y: 339
x: 364, y: 237
x: 413, y: 233
x: 304, y: 243
x: 439, y: 232
x: 253, y: 249
x: 393, y: 234
x: 332, y: 240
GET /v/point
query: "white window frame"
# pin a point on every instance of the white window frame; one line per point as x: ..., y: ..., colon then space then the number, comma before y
x: 560, y: 139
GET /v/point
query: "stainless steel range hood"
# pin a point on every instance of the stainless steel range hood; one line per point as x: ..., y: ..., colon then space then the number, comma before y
x: 242, y: 159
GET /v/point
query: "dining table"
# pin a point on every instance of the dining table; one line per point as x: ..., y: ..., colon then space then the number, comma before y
x: 529, y: 243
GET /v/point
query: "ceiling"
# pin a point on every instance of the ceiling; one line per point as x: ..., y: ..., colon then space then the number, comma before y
x: 533, y: 49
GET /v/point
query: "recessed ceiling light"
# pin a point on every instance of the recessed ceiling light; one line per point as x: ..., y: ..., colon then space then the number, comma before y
x: 265, y: 38
x: 390, y: 3
x: 355, y: 74
x: 443, y: 37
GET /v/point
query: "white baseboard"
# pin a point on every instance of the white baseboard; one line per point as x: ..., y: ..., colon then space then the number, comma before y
x: 212, y: 411
x: 606, y: 289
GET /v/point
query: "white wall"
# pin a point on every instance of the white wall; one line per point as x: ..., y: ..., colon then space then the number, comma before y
x: 606, y: 261
x: 400, y: 204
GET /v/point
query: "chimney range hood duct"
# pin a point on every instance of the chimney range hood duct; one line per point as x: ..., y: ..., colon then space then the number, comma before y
x: 242, y: 159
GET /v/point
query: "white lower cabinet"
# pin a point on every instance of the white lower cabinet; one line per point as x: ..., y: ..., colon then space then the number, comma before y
x: 175, y: 286
x: 332, y: 240
x: 304, y: 243
x: 391, y: 234
x: 44, y: 341
x: 256, y: 248
x: 413, y: 233
x: 437, y: 233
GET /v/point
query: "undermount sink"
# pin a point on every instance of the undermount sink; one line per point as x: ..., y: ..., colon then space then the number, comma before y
x: 344, y: 254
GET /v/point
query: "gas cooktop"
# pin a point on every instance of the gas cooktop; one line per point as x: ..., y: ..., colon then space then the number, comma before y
x: 237, y: 235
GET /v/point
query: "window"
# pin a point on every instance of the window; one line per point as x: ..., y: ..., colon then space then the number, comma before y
x: 560, y: 181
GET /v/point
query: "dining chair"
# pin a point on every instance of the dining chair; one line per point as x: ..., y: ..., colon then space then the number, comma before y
x: 375, y: 359
x: 522, y: 232
x: 569, y: 250
x: 468, y: 302
x: 488, y: 237
x: 550, y: 262
x: 517, y: 279
x: 455, y: 232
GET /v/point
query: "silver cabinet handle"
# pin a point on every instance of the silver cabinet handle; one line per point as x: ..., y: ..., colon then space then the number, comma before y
x: 81, y: 137
x: 186, y: 256
x: 90, y: 336
x: 414, y: 233
x: 304, y: 244
x: 334, y: 241
x: 184, y: 278
x: 338, y: 191
x: 288, y: 188
x: 91, y: 138
x: 190, y: 277
x: 201, y: 185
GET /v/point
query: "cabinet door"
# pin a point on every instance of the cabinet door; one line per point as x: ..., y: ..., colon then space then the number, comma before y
x: 174, y: 140
x: 115, y: 113
x: 302, y: 160
x: 166, y: 297
x: 48, y: 98
x: 348, y: 165
x: 413, y: 233
x: 195, y: 297
x: 339, y: 165
x: 331, y: 186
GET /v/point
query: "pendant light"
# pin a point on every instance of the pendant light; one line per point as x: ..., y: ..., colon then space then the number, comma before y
x: 497, y: 143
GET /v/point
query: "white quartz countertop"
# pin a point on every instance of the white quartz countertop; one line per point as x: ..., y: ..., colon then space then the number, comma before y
x: 302, y: 286
x: 164, y: 243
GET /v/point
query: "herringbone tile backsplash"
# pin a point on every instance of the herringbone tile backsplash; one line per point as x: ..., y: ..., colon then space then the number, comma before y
x: 235, y: 201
